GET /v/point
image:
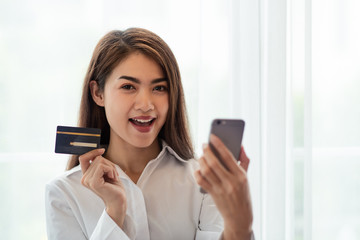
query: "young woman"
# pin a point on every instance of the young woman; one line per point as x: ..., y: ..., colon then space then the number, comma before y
x: 145, y: 183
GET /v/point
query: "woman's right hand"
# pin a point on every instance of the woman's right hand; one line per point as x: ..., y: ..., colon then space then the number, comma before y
x: 100, y: 176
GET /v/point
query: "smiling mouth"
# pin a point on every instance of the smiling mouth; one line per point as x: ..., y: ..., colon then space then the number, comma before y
x: 142, y: 122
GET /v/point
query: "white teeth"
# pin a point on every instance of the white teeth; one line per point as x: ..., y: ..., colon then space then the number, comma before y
x: 142, y: 120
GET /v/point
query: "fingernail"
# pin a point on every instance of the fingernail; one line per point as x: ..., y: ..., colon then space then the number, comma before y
x: 212, y: 138
x: 204, y: 145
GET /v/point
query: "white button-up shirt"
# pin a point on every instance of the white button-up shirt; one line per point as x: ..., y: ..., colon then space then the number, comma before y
x: 165, y: 203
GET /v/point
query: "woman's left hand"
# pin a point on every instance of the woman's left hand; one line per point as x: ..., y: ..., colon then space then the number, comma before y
x: 229, y: 188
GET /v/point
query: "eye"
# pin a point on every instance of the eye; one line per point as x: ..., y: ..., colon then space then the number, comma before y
x: 127, y: 87
x: 160, y: 88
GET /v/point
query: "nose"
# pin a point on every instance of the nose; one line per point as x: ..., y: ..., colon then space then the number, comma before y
x: 144, y: 101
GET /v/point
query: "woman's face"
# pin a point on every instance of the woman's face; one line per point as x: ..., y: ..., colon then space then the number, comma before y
x: 136, y: 100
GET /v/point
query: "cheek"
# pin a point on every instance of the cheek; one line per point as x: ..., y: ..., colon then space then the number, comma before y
x: 114, y: 109
x: 165, y: 112
x: 164, y: 107
x: 116, y: 116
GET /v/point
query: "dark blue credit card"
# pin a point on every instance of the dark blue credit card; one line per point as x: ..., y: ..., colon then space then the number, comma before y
x: 76, y: 140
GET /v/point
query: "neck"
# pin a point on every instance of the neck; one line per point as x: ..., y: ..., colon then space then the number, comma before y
x: 132, y: 160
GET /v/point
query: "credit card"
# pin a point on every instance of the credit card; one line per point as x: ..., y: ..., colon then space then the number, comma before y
x: 76, y: 140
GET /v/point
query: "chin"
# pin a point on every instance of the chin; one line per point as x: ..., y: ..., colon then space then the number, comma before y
x: 143, y: 142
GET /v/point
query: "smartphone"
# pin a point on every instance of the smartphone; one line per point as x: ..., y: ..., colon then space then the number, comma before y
x: 230, y: 132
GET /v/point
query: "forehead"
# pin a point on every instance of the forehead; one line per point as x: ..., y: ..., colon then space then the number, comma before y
x: 140, y: 66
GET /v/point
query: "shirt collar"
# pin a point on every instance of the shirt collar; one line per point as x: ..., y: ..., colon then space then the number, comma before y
x: 166, y: 147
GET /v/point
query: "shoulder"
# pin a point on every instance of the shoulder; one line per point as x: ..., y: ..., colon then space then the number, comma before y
x: 65, y: 181
x: 67, y: 189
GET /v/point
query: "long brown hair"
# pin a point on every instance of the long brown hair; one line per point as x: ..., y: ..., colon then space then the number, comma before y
x: 109, y: 52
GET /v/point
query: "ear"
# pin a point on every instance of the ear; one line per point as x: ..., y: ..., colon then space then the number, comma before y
x: 97, y: 95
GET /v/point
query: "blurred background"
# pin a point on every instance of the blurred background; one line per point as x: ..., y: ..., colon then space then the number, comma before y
x: 289, y: 68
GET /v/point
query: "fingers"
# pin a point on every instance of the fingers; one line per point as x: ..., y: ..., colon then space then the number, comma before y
x: 213, y: 172
x: 100, y: 171
x: 209, y: 163
x: 244, y: 160
x: 96, y: 175
x: 89, y: 156
x: 212, y: 175
x: 201, y: 180
x: 97, y: 169
x: 207, y: 172
x: 226, y: 156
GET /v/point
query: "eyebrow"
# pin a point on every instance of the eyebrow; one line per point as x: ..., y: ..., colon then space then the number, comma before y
x: 135, y: 80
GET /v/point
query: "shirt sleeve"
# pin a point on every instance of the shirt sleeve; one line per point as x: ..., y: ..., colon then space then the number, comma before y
x: 108, y: 229
x: 62, y: 223
x: 211, y: 224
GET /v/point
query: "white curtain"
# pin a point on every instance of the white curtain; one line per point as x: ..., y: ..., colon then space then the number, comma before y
x: 289, y: 68
x: 308, y: 119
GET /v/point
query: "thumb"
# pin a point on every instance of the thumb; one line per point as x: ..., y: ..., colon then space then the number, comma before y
x: 85, y: 158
